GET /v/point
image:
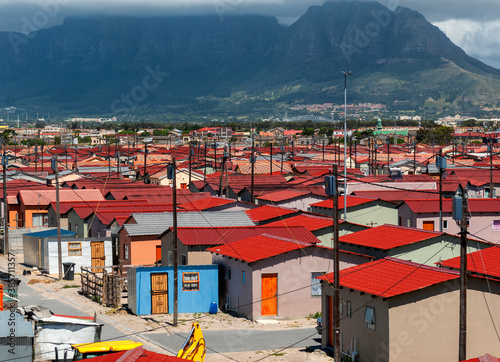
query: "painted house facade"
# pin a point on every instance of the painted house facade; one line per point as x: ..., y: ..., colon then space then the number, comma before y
x: 395, y: 310
x: 151, y: 289
x: 264, y: 276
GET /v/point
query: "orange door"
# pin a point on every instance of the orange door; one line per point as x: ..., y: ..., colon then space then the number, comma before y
x: 428, y: 225
x: 158, y: 252
x: 328, y: 327
x: 98, y: 257
x: 269, y: 305
x: 159, y: 293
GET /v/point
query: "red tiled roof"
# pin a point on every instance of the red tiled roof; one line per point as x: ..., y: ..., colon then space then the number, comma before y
x: 485, y: 262
x: 258, y: 247
x: 351, y: 201
x: 432, y: 206
x: 389, y: 277
x: 206, y: 203
x: 311, y: 222
x: 223, y: 235
x: 281, y: 195
x: 267, y: 212
x: 387, y: 236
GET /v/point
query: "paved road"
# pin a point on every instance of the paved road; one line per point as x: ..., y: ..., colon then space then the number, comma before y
x: 29, y: 295
x: 224, y: 341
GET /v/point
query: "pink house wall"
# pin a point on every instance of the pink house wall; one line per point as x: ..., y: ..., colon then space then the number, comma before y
x: 294, y: 279
x: 300, y: 203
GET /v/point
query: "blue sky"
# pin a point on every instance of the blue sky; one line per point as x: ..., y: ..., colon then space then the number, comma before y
x: 472, y: 25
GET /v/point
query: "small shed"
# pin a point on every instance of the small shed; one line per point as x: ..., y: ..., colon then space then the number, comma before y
x: 16, y: 337
x: 150, y: 289
x: 40, y: 250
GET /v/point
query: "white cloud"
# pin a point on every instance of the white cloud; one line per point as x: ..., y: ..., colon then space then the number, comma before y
x: 478, y: 39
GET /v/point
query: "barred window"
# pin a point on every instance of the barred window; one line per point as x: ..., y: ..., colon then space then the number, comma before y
x: 74, y: 249
x: 190, y: 281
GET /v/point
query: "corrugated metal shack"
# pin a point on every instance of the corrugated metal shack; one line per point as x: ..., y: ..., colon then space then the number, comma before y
x: 16, y: 346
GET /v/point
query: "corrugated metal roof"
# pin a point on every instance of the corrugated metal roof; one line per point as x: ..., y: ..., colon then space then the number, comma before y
x: 389, y: 277
x: 23, y: 328
x: 223, y: 235
x: 267, y: 212
x: 387, y: 236
x: 156, y: 224
x: 351, y: 201
x: 259, y: 247
x: 432, y: 206
x: 310, y: 222
x: 281, y: 195
x: 206, y: 203
x: 51, y: 233
x: 45, y: 197
x: 485, y: 262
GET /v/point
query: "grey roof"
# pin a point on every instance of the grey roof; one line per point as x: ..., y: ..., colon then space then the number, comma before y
x: 23, y: 328
x: 157, y: 223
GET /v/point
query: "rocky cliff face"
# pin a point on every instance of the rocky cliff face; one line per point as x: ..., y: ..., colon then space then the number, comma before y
x: 92, y: 61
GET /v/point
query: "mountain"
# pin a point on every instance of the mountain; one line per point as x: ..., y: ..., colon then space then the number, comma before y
x: 243, y: 65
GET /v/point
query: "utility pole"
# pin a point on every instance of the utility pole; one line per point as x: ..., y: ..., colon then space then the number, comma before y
x: 441, y: 164
x: 205, y: 167
x: 172, y: 175
x: 414, y: 157
x: 463, y: 275
x: 189, y: 160
x: 388, y: 156
x: 271, y: 159
x: 222, y: 172
x: 215, y: 156
x: 331, y: 188
x: 36, y: 158
x: 282, y: 152
x: 491, y: 168
x: 58, y: 217
x: 252, y: 161
x: 145, y: 158
x: 6, y: 246
x: 375, y: 148
x: 76, y: 157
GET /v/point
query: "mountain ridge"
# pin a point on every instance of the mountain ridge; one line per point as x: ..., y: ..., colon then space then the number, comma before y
x: 245, y: 64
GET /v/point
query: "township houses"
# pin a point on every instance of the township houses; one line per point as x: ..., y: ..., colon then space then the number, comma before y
x: 420, y: 246
x: 264, y: 275
x: 194, y: 241
x: 484, y: 222
x: 360, y: 210
x: 139, y: 237
x: 395, y: 310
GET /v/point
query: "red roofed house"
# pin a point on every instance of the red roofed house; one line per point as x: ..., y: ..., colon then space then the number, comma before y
x: 484, y: 222
x: 295, y: 199
x: 395, y: 310
x: 362, y: 211
x: 420, y: 246
x: 267, y: 276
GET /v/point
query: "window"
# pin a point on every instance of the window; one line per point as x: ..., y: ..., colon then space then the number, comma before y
x: 496, y: 225
x: 445, y: 224
x: 408, y: 222
x: 183, y: 185
x: 228, y: 273
x: 400, y: 221
x: 243, y: 279
x: 348, y: 305
x: 98, y: 233
x: 316, y: 284
x: 74, y: 249
x: 183, y: 259
x: 190, y: 281
x: 125, y: 251
x: 370, y: 317
x: 170, y: 258
x: 76, y: 230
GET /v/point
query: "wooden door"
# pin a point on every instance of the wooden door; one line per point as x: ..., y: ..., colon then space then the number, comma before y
x: 159, y: 293
x: 327, y: 324
x: 428, y: 225
x: 98, y: 256
x: 269, y: 304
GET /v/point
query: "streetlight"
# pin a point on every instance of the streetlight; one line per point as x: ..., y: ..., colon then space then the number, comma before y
x: 346, y: 74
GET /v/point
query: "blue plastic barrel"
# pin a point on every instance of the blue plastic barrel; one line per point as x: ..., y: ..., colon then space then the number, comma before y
x: 213, y: 308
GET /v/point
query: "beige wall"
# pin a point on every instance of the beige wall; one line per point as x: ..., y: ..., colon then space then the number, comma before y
x: 422, y: 325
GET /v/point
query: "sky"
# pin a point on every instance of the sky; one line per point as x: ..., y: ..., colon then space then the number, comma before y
x: 473, y: 25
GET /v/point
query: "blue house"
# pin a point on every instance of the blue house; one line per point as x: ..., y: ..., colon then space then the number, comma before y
x: 150, y: 289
